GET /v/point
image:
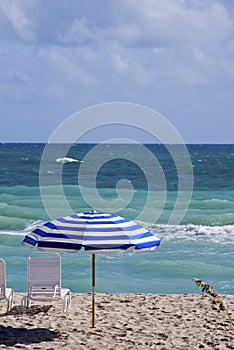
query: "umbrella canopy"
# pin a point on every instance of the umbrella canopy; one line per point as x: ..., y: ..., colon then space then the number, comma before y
x: 94, y: 231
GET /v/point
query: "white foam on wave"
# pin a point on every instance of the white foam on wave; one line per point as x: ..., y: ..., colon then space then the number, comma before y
x: 32, y: 226
x: 216, y: 234
x: 66, y: 160
x: 223, y: 234
x: 210, y: 234
x: 28, y: 229
x: 12, y: 233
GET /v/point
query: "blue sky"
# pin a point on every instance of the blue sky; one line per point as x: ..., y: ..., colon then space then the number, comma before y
x: 60, y: 56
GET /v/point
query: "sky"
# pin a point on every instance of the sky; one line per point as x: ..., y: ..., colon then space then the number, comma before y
x: 58, y: 57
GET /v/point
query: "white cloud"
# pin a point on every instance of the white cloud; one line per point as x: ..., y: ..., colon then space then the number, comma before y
x: 122, y: 64
x: 189, y: 76
x: 65, y: 64
x: 80, y: 31
x: 16, y: 14
x: 169, y: 22
x: 129, y: 22
x: 199, y: 55
x: 179, y: 33
x: 171, y: 52
x: 126, y: 33
x: 18, y: 77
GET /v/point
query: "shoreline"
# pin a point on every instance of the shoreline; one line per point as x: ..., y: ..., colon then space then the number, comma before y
x: 123, y: 321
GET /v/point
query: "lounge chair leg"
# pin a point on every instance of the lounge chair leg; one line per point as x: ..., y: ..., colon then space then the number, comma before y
x: 10, y: 302
x: 69, y: 300
x: 65, y: 304
x: 25, y: 302
x: 8, y: 306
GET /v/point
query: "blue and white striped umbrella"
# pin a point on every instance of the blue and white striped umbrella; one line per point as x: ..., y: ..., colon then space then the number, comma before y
x: 94, y: 231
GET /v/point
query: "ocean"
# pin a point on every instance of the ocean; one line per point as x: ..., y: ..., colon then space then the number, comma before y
x: 197, y: 242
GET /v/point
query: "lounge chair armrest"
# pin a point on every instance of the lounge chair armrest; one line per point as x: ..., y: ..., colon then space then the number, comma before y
x: 52, y: 291
x: 55, y: 290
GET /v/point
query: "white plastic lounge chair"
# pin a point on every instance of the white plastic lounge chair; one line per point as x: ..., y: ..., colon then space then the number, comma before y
x: 44, y: 280
x: 5, y: 293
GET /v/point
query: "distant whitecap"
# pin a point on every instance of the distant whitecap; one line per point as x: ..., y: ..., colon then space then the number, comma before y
x: 66, y: 160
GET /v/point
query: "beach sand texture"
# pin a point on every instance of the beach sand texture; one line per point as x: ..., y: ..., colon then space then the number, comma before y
x: 124, y: 321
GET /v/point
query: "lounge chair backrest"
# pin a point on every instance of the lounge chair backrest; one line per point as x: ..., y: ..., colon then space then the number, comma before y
x: 2, y: 278
x: 44, y: 280
x: 5, y: 293
x: 44, y: 272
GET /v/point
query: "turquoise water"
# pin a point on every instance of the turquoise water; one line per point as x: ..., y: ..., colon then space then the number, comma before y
x: 201, y: 245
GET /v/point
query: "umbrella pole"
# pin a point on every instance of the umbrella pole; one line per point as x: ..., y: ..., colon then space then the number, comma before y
x: 93, y: 290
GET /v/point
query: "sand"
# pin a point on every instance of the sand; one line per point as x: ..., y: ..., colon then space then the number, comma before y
x: 124, y: 321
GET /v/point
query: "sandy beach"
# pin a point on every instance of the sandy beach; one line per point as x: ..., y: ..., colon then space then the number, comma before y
x: 124, y: 321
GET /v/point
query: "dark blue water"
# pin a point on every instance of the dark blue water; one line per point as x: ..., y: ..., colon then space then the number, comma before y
x: 213, y: 166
